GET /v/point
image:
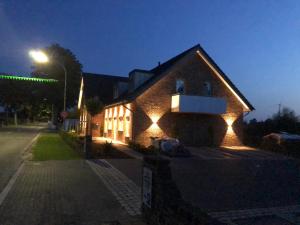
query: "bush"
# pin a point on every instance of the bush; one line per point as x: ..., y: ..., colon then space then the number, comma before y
x: 142, y: 149
x: 104, y: 149
x: 290, y: 148
x: 73, y: 140
x: 107, y: 148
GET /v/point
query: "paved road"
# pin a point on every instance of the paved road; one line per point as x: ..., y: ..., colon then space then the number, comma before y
x: 12, y: 144
x: 209, y: 153
x: 234, y: 185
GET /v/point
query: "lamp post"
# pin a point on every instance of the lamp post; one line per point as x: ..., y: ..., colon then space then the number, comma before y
x: 40, y: 57
x: 65, y: 86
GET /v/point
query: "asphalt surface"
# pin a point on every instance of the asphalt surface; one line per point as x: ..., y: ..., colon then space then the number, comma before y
x: 221, y: 185
x: 225, y: 180
x: 12, y: 144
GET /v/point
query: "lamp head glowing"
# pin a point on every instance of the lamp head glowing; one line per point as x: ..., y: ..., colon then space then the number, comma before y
x: 154, y: 119
x: 229, y: 122
x: 38, y: 56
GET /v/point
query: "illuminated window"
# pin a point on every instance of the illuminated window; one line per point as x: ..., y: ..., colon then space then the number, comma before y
x: 127, y: 123
x: 109, y: 123
x: 106, y: 121
x: 115, y: 112
x: 120, y: 119
x: 127, y: 113
x: 110, y: 119
x: 110, y: 113
x: 105, y: 125
x: 121, y: 124
x: 127, y: 126
x: 121, y: 112
x: 180, y: 86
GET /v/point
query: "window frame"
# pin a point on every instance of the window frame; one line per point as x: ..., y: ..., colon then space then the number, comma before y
x: 180, y: 84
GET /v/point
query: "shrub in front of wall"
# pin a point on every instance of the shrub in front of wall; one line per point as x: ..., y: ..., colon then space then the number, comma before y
x: 73, y: 140
x: 105, y: 149
x: 286, y: 147
x: 141, y: 148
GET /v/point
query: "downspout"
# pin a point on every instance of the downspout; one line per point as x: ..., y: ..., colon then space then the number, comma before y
x: 246, y: 114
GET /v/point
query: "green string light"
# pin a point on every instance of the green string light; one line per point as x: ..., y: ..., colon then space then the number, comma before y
x: 34, y: 79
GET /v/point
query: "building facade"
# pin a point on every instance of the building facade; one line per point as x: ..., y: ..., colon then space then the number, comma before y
x: 188, y: 97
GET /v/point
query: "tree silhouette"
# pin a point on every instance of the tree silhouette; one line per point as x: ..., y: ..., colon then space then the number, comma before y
x: 60, y: 56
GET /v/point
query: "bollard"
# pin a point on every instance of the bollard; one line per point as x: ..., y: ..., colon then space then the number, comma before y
x: 160, y: 195
x: 88, y: 146
x: 162, y: 203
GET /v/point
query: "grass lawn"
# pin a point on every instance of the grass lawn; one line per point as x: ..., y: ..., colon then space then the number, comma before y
x: 50, y: 146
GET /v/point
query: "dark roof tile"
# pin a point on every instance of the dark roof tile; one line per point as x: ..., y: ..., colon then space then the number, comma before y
x: 100, y: 85
x: 159, y: 71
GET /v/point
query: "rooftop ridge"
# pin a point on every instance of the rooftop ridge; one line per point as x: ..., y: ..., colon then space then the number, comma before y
x: 86, y: 74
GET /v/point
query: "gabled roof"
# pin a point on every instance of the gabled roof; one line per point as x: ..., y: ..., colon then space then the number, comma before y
x: 161, y: 70
x: 211, y: 63
x: 157, y: 72
x: 100, y: 85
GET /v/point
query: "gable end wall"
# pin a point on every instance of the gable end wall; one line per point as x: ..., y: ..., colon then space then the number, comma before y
x: 192, y: 129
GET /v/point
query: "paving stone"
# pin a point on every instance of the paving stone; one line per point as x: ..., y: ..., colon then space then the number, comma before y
x: 61, y: 192
x: 126, y: 192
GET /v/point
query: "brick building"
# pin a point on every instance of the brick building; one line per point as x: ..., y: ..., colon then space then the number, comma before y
x: 187, y: 97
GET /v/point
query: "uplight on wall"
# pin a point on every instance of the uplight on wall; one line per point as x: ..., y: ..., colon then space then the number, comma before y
x: 230, y: 137
x: 154, y: 128
x: 229, y: 121
x: 154, y: 119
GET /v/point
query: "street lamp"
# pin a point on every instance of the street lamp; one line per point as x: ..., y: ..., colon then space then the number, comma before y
x: 41, y: 57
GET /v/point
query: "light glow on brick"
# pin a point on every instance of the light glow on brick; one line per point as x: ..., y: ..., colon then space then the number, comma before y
x: 230, y: 138
x: 229, y: 121
x: 154, y: 119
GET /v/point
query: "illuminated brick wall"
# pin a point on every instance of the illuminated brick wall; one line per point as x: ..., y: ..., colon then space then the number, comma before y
x: 97, y: 125
x: 233, y: 135
x: 152, y: 110
x: 152, y: 115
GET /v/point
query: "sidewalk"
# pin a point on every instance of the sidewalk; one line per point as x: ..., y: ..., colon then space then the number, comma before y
x: 62, y: 192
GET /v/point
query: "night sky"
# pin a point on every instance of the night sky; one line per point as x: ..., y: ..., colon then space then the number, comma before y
x: 256, y: 43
